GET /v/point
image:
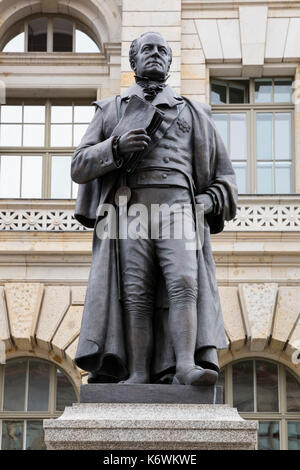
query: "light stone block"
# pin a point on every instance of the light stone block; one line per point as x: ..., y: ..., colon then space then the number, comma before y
x: 293, y: 40
x: 210, y: 39
x: 4, y: 327
x: 194, y: 87
x: 71, y: 350
x: 190, y: 41
x: 49, y: 6
x: 277, y: 30
x: 78, y: 295
x: 148, y: 5
x: 232, y: 315
x: 193, y: 71
x: 229, y: 31
x: 135, y: 426
x: 170, y: 33
x: 286, y: 315
x: 294, y: 345
x: 23, y: 305
x: 151, y: 19
x: 253, y: 25
x: 188, y: 27
x: 68, y: 329
x: 190, y: 56
x: 213, y: 13
x: 258, y: 303
x: 55, y: 304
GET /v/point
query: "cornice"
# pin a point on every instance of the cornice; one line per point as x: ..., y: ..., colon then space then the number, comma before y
x: 235, y: 4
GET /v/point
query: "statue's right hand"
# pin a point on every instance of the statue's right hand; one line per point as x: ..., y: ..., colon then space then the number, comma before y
x: 133, y: 141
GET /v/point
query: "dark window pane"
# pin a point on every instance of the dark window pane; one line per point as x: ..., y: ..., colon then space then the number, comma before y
x: 263, y: 91
x: 35, y: 435
x: 221, y: 383
x: 14, y: 386
x: 38, y: 387
x: 65, y: 393
x: 37, y: 35
x: 292, y: 393
x: 62, y: 35
x: 268, y: 435
x: 238, y: 92
x: 282, y: 91
x: 12, y: 435
x: 294, y: 435
x: 242, y: 382
x: 267, y: 386
x: 218, y: 93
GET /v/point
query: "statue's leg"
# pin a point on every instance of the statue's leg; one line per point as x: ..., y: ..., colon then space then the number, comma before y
x: 180, y: 271
x: 180, y: 268
x: 138, y: 281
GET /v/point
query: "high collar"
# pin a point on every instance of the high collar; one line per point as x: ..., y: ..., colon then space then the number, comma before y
x: 167, y: 97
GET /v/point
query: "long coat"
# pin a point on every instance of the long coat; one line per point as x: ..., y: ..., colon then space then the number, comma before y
x: 102, y: 345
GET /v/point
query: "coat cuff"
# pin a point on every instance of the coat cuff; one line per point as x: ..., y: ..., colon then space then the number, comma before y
x: 108, y: 161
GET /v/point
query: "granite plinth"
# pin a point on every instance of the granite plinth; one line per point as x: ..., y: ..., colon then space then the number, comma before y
x: 150, y: 393
x: 149, y: 426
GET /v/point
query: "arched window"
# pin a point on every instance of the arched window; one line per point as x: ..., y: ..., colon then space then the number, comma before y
x: 270, y: 393
x: 30, y: 390
x: 51, y: 34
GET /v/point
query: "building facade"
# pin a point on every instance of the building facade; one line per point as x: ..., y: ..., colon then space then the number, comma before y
x: 57, y: 56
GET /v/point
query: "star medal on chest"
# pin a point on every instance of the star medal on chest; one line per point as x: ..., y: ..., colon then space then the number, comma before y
x: 183, y: 125
x: 122, y: 196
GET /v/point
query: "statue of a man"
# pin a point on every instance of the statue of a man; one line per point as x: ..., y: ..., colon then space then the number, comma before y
x: 166, y: 325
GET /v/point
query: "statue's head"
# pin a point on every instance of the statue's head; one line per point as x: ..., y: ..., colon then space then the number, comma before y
x: 150, y: 56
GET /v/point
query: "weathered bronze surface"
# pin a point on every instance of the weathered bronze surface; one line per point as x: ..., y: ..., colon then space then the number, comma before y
x: 152, y: 311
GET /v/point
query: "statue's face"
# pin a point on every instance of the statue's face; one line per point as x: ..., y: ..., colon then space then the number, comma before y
x: 152, y: 59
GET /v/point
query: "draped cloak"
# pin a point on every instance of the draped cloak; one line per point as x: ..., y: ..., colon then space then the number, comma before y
x: 102, y: 343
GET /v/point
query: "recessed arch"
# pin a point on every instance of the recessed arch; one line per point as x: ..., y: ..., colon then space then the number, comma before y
x: 101, y: 18
x: 266, y: 390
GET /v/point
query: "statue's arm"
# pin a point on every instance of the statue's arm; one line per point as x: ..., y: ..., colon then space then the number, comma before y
x: 94, y: 157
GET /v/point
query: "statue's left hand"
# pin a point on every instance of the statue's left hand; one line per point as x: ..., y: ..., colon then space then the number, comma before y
x: 207, y: 201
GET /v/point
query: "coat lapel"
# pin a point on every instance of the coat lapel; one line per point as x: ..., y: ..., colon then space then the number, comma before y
x: 167, y: 97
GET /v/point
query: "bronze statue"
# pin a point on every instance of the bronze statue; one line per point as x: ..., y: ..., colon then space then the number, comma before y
x: 152, y: 311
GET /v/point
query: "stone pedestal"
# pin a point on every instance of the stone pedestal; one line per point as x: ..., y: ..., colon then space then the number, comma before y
x: 152, y: 425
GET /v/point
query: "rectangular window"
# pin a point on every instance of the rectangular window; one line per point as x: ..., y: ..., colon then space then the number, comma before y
x: 22, y: 126
x: 293, y: 435
x: 256, y: 128
x: 268, y: 435
x: 36, y: 146
x: 233, y: 129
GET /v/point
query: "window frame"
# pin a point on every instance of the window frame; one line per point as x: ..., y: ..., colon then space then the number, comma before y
x: 46, y: 152
x: 26, y: 416
x: 22, y: 27
x: 251, y: 110
x: 282, y: 416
